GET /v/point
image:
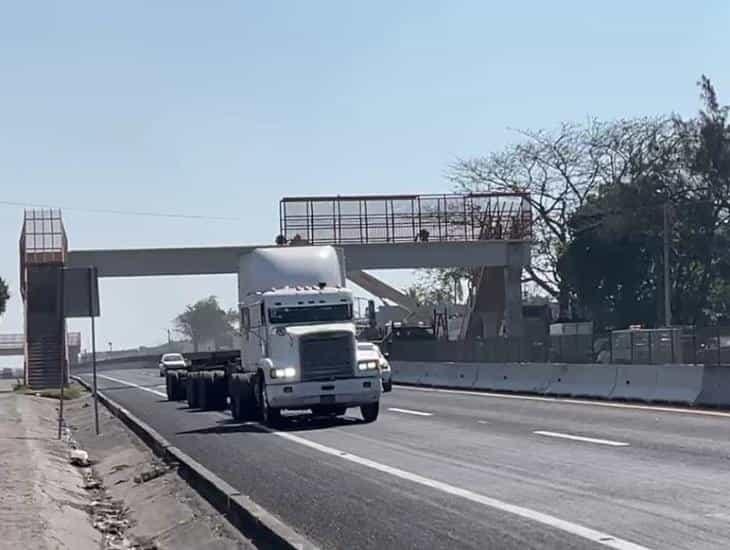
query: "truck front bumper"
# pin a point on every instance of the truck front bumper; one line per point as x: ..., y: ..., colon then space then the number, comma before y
x: 349, y: 392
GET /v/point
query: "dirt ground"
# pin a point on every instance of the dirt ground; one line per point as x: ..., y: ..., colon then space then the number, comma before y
x: 125, y: 498
x: 43, y: 504
x: 143, y: 503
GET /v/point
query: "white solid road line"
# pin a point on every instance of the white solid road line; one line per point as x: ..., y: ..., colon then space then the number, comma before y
x: 569, y: 527
x: 119, y: 381
x: 567, y: 400
x: 581, y: 438
x: 587, y: 533
x: 408, y: 411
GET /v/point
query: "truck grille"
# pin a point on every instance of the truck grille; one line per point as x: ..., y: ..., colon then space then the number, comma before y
x: 327, y: 356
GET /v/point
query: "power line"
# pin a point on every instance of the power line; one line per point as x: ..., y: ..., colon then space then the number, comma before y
x: 122, y: 212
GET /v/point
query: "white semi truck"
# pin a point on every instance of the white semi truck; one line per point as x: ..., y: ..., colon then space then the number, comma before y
x: 298, y: 346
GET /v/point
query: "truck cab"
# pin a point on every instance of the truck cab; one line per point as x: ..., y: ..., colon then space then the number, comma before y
x: 298, y: 339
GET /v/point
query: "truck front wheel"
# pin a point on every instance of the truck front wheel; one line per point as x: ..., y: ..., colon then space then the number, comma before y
x: 370, y: 411
x: 270, y: 416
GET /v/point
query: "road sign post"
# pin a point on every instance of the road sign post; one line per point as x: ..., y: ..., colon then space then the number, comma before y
x: 81, y: 299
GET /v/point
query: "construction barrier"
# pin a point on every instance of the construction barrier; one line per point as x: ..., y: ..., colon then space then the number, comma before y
x: 435, y: 374
x: 591, y: 380
x: 514, y: 377
x: 715, y: 387
x: 635, y: 382
x: 407, y: 372
x: 678, y: 383
x: 462, y: 375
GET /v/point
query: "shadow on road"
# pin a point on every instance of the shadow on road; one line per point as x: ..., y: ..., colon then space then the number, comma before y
x: 295, y: 423
x: 124, y: 387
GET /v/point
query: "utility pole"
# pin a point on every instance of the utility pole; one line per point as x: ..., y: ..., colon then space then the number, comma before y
x: 667, y: 282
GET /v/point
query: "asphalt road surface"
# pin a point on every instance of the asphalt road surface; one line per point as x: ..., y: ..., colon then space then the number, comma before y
x: 451, y: 469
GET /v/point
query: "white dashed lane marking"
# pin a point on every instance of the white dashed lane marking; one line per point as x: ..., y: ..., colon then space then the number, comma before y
x: 559, y: 435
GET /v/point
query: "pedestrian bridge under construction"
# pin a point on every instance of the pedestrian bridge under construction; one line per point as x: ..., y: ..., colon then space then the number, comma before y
x: 488, y: 233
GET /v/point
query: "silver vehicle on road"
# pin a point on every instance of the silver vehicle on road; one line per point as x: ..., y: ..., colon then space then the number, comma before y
x: 369, y: 351
x: 171, y: 361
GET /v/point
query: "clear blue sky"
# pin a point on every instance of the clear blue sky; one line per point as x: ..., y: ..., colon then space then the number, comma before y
x: 221, y: 108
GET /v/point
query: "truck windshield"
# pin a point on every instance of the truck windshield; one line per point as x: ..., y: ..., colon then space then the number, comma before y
x: 310, y: 314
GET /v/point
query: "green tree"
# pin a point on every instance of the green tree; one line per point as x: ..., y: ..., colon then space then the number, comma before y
x: 614, y: 261
x: 440, y: 286
x: 4, y: 296
x: 205, y: 320
x: 561, y: 170
x: 610, y: 262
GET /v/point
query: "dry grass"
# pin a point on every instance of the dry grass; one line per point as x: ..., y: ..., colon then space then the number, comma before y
x: 72, y: 391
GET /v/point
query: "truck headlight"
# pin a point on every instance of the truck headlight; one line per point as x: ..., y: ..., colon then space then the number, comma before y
x: 367, y: 365
x: 288, y: 372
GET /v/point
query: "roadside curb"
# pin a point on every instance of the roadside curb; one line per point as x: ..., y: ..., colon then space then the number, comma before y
x: 262, y: 527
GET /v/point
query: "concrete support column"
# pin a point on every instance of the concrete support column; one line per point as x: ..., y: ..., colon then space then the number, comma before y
x: 488, y: 313
x: 513, y: 290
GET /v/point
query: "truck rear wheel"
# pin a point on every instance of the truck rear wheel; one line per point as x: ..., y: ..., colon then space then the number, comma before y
x: 204, y: 391
x: 212, y: 391
x: 168, y: 387
x: 172, y: 385
x: 219, y: 390
x: 181, y: 388
x: 192, y: 392
x: 243, y: 401
x: 370, y: 411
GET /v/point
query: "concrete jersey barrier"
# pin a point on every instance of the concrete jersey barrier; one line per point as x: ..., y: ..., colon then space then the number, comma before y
x: 715, y: 387
x: 678, y: 384
x: 435, y: 374
x: 590, y: 380
x: 462, y: 375
x: 514, y: 377
x: 635, y: 382
x: 407, y: 372
x: 686, y: 384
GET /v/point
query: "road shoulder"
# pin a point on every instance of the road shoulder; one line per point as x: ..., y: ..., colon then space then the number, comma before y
x: 44, y: 504
x: 163, y: 511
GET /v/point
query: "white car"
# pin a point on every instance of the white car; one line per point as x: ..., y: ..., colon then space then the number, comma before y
x: 369, y: 351
x: 171, y: 361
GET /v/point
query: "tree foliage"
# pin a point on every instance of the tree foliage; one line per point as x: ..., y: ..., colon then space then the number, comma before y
x: 598, y: 192
x: 614, y: 262
x: 437, y: 287
x: 4, y: 296
x: 561, y: 170
x: 205, y: 321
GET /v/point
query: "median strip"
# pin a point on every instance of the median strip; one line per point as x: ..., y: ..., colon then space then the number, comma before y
x: 581, y: 438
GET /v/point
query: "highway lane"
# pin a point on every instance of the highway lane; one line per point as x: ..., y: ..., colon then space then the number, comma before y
x: 665, y: 485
